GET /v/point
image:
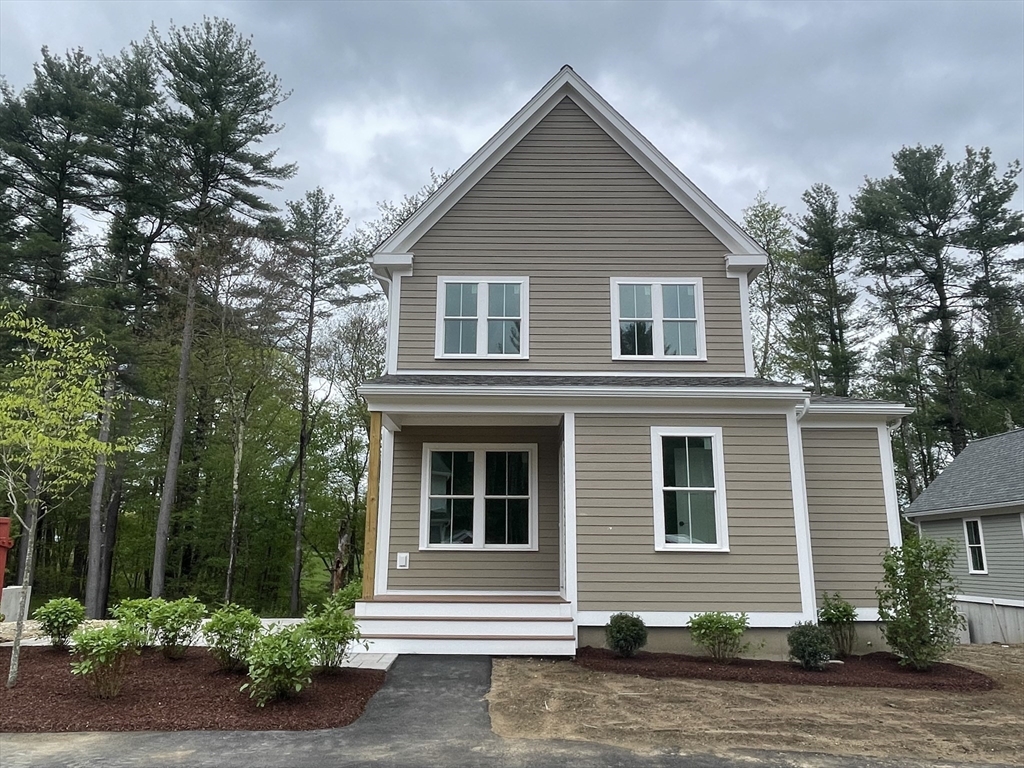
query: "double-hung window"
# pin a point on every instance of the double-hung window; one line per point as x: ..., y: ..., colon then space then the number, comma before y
x: 688, y: 473
x: 975, y: 547
x: 482, y: 317
x: 661, y: 319
x: 479, y: 497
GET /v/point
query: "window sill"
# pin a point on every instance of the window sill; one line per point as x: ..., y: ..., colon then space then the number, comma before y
x: 689, y: 548
x: 662, y: 358
x: 977, y: 573
x: 484, y: 548
x: 481, y: 357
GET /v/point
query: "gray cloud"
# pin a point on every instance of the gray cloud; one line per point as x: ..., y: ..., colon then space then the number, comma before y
x: 741, y: 96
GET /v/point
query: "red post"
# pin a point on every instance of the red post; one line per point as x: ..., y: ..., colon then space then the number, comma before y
x: 6, y: 542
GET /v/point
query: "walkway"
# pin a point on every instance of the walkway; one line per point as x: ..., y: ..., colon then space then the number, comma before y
x: 431, y: 712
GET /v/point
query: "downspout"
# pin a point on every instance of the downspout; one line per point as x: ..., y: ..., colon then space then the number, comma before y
x: 802, y: 409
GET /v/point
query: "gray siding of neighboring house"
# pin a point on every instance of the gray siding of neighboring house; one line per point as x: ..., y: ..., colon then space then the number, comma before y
x: 846, y: 504
x: 570, y: 209
x: 476, y: 569
x: 618, y: 566
x: 1004, y: 553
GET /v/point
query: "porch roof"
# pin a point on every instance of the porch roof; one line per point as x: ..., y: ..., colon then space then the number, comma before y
x: 531, y: 381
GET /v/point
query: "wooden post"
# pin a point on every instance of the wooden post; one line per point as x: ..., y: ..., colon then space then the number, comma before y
x: 372, y: 500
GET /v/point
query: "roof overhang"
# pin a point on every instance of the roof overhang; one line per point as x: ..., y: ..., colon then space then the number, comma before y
x: 867, y: 410
x: 1011, y: 507
x: 738, y: 244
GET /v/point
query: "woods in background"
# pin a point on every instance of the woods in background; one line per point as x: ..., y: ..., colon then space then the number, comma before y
x: 914, y: 294
x: 231, y: 337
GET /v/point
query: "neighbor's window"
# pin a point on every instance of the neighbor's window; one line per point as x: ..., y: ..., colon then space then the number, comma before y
x: 482, y: 317
x: 975, y: 547
x: 479, y: 497
x: 689, y: 492
x: 660, y: 319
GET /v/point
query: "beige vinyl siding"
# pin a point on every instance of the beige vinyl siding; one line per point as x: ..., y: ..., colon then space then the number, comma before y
x: 568, y: 208
x: 846, y: 504
x: 477, y: 569
x: 1004, y: 554
x: 618, y: 567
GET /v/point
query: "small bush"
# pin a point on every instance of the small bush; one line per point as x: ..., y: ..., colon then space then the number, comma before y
x: 350, y: 594
x: 176, y: 624
x: 137, y: 611
x: 625, y: 633
x: 58, y: 618
x: 811, y: 645
x: 330, y: 631
x: 917, y: 603
x: 103, y: 655
x: 279, y: 664
x: 230, y: 633
x: 720, y: 634
x: 839, y: 618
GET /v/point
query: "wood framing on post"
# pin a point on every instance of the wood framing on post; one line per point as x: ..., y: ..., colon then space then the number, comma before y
x: 372, y: 499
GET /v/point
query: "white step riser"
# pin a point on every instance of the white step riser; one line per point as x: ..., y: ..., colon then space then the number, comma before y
x: 481, y: 647
x: 450, y: 627
x: 500, y: 611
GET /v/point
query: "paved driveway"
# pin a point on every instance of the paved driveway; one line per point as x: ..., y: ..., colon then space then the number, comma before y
x: 430, y: 713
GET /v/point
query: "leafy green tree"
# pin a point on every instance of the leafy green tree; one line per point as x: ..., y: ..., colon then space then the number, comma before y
x: 49, y: 414
x: 767, y: 223
x: 221, y: 102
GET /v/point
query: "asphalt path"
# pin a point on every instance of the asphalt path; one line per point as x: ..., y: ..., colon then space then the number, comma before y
x: 431, y: 713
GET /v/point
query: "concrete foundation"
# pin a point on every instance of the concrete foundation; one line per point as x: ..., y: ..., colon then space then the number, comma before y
x: 986, y: 623
x: 765, y: 643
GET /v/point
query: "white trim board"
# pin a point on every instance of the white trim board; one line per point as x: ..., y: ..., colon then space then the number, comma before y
x: 999, y: 601
x: 892, y: 504
x: 801, y: 518
x: 755, y: 619
x: 568, y: 84
x: 569, y: 478
x: 387, y: 460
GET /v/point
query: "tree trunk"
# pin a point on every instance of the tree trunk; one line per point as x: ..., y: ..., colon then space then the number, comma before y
x: 300, y: 507
x: 95, y: 562
x: 236, y: 506
x: 30, y: 530
x: 163, y: 523
x: 31, y: 519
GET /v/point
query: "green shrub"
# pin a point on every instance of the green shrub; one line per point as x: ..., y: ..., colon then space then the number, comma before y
x: 138, y: 611
x: 917, y: 602
x: 176, y: 624
x: 230, y: 633
x: 280, y: 663
x: 58, y: 618
x: 350, y: 593
x: 811, y: 645
x: 839, y: 618
x: 103, y: 655
x: 330, y: 631
x: 720, y: 634
x: 625, y: 633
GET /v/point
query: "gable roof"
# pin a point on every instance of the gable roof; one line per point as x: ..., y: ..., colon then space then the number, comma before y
x: 749, y: 256
x: 988, y: 473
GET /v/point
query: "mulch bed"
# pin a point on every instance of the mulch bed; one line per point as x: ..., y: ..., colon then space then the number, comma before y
x: 162, y: 695
x: 874, y: 670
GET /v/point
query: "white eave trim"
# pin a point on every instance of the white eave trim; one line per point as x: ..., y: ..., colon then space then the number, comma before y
x: 387, y: 264
x: 568, y: 83
x: 1009, y: 506
x: 749, y: 264
x: 370, y: 391
x: 825, y: 410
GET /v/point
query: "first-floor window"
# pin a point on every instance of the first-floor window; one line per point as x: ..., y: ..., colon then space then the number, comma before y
x: 689, y: 488
x: 975, y: 547
x: 479, y: 496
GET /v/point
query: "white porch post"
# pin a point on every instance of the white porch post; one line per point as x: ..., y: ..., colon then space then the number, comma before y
x: 569, y: 480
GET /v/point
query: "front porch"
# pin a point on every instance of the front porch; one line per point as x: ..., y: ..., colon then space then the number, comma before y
x: 466, y: 536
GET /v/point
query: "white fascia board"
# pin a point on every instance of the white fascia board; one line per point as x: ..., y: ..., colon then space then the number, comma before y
x: 997, y: 601
x: 823, y: 411
x: 568, y: 83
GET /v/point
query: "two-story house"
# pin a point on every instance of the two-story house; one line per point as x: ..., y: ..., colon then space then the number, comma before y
x: 570, y: 425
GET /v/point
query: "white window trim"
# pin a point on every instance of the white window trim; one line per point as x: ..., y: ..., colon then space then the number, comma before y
x: 657, y: 475
x: 981, y: 540
x: 479, y: 469
x: 481, y: 318
x: 658, y: 311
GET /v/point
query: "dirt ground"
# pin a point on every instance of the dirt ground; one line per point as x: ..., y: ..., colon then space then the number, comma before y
x: 531, y: 698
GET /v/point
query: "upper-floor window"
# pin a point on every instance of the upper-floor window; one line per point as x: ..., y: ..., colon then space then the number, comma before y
x: 482, y: 317
x: 975, y: 547
x: 661, y: 319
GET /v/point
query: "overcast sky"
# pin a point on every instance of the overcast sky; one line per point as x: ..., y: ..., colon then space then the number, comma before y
x: 742, y: 96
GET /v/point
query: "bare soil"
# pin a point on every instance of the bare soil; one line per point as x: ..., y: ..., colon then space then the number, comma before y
x: 532, y: 698
x: 163, y: 695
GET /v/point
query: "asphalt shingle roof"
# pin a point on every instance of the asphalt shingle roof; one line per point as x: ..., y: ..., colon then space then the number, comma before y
x: 448, y: 380
x: 989, y: 472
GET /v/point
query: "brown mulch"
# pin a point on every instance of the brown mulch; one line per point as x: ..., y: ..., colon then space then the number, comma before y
x: 162, y: 695
x: 874, y: 670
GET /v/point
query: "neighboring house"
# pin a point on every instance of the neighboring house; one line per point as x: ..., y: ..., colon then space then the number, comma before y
x: 978, y: 502
x: 570, y: 425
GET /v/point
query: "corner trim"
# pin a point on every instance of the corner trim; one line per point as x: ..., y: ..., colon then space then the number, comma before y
x: 801, y: 517
x: 892, y: 504
x: 383, y: 562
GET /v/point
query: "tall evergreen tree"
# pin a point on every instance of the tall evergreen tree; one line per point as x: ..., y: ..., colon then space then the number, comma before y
x: 222, y: 98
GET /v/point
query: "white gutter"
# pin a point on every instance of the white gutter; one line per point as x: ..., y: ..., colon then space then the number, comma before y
x: 470, y: 390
